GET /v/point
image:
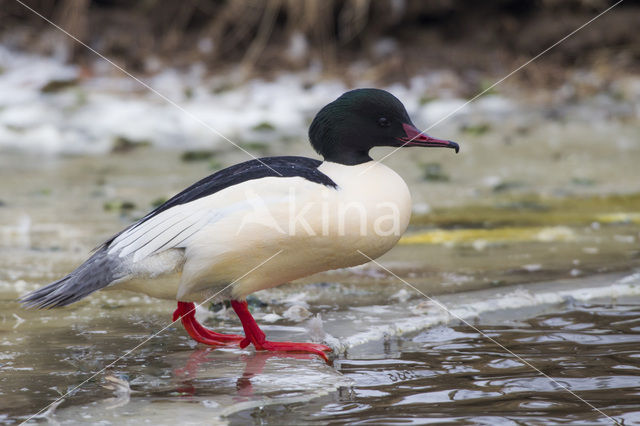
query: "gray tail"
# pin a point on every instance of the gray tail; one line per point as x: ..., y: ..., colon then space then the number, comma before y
x: 97, y: 272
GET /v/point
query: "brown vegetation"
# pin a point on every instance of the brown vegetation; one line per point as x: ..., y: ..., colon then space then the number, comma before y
x: 261, y: 35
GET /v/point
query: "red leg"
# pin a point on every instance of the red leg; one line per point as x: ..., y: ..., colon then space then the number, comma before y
x: 258, y: 338
x: 186, y: 312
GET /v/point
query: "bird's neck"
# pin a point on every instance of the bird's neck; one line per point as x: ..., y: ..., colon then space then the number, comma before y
x: 348, y: 157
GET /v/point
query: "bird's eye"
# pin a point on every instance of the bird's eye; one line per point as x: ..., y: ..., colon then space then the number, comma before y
x: 383, y: 122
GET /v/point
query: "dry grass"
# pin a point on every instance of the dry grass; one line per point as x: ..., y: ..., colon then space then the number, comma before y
x: 256, y: 34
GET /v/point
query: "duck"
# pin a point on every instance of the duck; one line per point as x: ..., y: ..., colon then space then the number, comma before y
x: 263, y: 223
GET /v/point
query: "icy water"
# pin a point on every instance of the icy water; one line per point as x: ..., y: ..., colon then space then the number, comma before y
x: 446, y: 374
x: 453, y: 374
x: 551, y: 274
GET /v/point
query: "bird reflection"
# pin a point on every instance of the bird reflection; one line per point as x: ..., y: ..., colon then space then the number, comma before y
x: 253, y: 366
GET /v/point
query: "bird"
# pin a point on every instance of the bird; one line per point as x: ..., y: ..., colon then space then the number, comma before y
x: 264, y: 222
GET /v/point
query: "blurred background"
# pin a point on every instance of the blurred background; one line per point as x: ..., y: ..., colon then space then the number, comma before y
x: 530, y: 231
x: 383, y: 41
x: 278, y: 61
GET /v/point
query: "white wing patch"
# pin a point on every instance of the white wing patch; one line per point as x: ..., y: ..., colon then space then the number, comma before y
x: 174, y: 227
x: 169, y: 229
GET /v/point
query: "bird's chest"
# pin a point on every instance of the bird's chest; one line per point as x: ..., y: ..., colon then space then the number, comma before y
x: 368, y: 212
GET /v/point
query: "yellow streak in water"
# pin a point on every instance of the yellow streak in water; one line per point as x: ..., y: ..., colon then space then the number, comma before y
x: 521, y: 234
x: 619, y: 218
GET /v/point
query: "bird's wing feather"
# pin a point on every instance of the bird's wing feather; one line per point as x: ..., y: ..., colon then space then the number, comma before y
x: 171, y: 224
x: 172, y: 228
x: 289, y: 166
x: 169, y: 229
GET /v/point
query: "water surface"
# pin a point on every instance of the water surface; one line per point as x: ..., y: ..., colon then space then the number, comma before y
x: 552, y: 278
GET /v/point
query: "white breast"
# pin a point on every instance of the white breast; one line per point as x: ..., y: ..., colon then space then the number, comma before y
x: 372, y: 206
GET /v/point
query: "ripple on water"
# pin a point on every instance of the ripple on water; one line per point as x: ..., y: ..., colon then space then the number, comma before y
x: 454, y: 375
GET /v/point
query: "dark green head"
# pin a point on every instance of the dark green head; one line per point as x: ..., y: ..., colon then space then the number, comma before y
x: 346, y: 129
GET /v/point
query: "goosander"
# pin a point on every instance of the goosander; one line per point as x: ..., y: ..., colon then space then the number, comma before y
x: 264, y: 222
